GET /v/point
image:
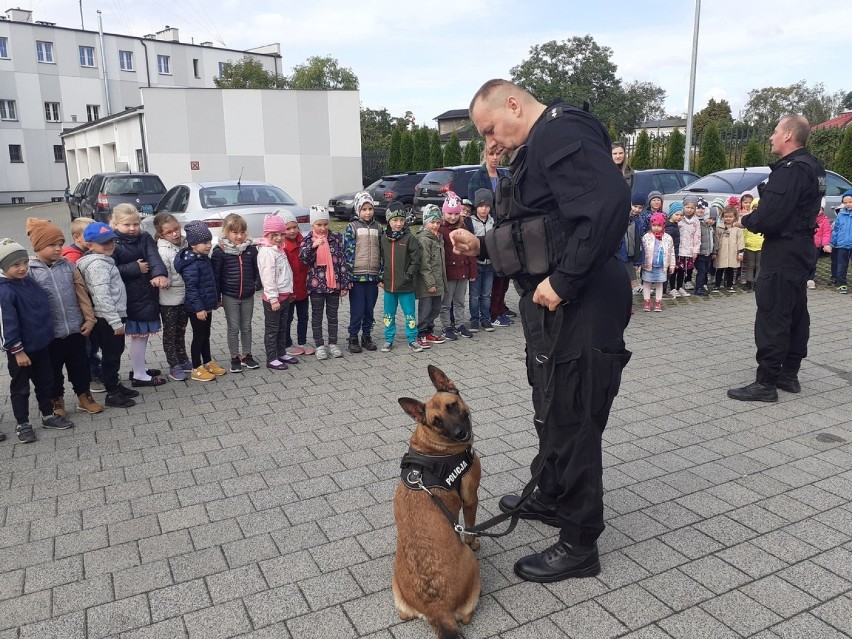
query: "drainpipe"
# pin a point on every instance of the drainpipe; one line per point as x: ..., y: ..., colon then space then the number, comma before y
x: 103, y: 63
x: 147, y: 64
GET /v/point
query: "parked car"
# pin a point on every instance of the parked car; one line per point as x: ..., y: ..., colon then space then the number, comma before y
x: 106, y: 190
x: 738, y: 181
x: 397, y: 187
x: 435, y: 184
x: 211, y: 202
x: 73, y: 198
x: 663, y: 180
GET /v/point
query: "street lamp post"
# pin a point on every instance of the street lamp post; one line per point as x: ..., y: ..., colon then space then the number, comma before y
x: 688, y: 151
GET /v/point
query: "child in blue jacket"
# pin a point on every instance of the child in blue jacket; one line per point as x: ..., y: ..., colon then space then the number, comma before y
x: 841, y: 241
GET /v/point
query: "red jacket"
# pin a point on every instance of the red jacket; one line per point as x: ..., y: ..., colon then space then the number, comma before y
x: 300, y: 269
x: 822, y: 234
x: 72, y: 252
x: 459, y: 267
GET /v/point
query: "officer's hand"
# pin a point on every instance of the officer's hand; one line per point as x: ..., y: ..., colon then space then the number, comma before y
x: 464, y: 242
x: 545, y: 295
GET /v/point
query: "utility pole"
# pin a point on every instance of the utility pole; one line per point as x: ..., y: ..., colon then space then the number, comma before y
x: 688, y: 154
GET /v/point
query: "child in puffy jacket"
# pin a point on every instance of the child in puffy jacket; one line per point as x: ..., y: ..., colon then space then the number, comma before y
x: 400, y: 265
x: 460, y: 269
x: 276, y: 279
x: 658, y: 262
x: 730, y: 249
x: 193, y: 264
x: 841, y: 241
x: 822, y: 241
x: 170, y: 241
x: 299, y: 304
x: 672, y: 229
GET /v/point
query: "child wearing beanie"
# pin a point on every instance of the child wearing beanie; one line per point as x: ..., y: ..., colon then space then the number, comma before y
x: 460, y: 269
x: 431, y: 278
x: 328, y: 279
x: 400, y: 264
x: 299, y: 304
x: 361, y: 249
x: 633, y: 239
x: 690, y: 239
x: 73, y: 316
x: 480, y: 287
x: 658, y: 262
x: 673, y: 230
x: 276, y: 279
x: 201, y: 297
x: 27, y: 333
x: 841, y: 242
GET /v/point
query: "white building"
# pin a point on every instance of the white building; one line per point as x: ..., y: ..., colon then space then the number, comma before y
x: 52, y: 78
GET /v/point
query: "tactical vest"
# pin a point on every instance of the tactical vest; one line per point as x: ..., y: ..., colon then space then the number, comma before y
x: 366, y: 248
x: 805, y: 223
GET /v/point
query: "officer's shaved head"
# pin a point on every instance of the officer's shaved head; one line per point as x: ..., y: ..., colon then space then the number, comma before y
x: 494, y: 92
x: 503, y: 113
x: 799, y: 126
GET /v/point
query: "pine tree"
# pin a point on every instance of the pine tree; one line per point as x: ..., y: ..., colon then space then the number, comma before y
x: 436, y: 154
x: 395, y: 152
x: 613, y: 133
x: 754, y: 155
x: 674, y: 150
x: 452, y: 152
x: 421, y: 150
x: 407, y: 152
x: 641, y: 158
x: 471, y: 153
x: 843, y: 159
x: 712, y: 151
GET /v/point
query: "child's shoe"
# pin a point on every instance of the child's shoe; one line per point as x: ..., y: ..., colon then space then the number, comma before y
x: 59, y: 406
x: 474, y: 326
x: 322, y: 352
x: 201, y: 374
x: 87, y: 403
x: 236, y: 365
x: 354, y: 346
x: 842, y: 289
x: 387, y: 347
x: 307, y: 348
x: 25, y: 433
x: 501, y: 321
x: 415, y: 347
x: 288, y: 359
x: 658, y: 307
x: 296, y: 350
x: 689, y: 286
x: 214, y: 368
x: 716, y: 289
x: 177, y: 373
x: 682, y: 292
x: 450, y: 334
x: 487, y: 327
x: 811, y: 284
x: 276, y: 365
x: 673, y: 294
x: 368, y: 344
x: 250, y: 362
x: 56, y: 422
x: 731, y: 289
x: 187, y: 366
x: 435, y: 339
x: 97, y: 386
x: 334, y: 351
x: 118, y: 400
x: 646, y: 306
x: 127, y: 392
x: 464, y: 332
x: 424, y: 343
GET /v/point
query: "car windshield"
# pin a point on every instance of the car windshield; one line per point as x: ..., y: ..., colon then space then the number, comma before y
x: 134, y: 185
x: 243, y: 195
x: 727, y: 182
x: 437, y: 177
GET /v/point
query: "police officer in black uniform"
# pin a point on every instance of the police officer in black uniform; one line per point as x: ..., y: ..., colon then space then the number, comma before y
x: 560, y: 219
x: 789, y: 204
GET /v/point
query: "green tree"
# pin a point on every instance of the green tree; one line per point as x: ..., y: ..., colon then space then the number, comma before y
x: 718, y: 112
x: 641, y: 158
x: 436, y: 154
x: 322, y: 73
x: 452, y: 151
x: 846, y: 102
x: 376, y: 129
x: 395, y: 151
x: 471, y: 153
x: 754, y: 154
x: 421, y: 150
x: 613, y: 132
x: 675, y: 147
x: 407, y: 153
x: 767, y: 105
x: 712, y: 157
x: 249, y: 73
x: 843, y: 159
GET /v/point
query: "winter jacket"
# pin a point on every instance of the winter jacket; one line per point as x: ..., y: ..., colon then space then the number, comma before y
x: 841, y: 234
x: 633, y: 241
x: 108, y: 292
x: 708, y: 238
x: 236, y: 275
x: 729, y: 244
x: 753, y: 241
x: 25, y: 323
x: 481, y: 180
x: 70, y: 304
x: 72, y: 253
x: 361, y: 249
x: 299, y: 268
x: 316, y: 274
x: 459, y: 267
x: 690, y: 236
x: 174, y: 294
x: 648, y: 252
x: 479, y: 229
x: 822, y: 232
x: 143, y: 300
x: 400, y: 262
x: 673, y: 230
x: 276, y: 275
x: 433, y: 271
x: 197, y: 273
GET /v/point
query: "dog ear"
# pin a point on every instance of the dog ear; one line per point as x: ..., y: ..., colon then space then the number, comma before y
x: 415, y: 408
x: 441, y: 381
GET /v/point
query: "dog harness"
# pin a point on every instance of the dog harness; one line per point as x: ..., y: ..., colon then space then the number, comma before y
x: 435, y: 471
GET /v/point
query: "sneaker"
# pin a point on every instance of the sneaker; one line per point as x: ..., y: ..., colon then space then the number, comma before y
x: 637, y: 290
x: 450, y: 334
x: 424, y: 343
x: 127, y: 392
x: 118, y: 400
x: 435, y: 339
x: 308, y: 349
x: 682, y: 292
x: 510, y: 313
x: 57, y: 422
x: 464, y: 332
x: 276, y: 365
x: 689, y: 286
x: 368, y: 344
x: 59, y: 406
x: 214, y: 368
x: 296, y: 350
x: 154, y: 381
x: 322, y: 352
x: 811, y: 284
x: 87, y: 404
x: 288, y: 359
x: 701, y: 292
x: 474, y: 326
x: 236, y: 365
x: 25, y: 433
x: 646, y: 306
x: 716, y: 289
x: 415, y: 347
x: 506, y: 318
x: 658, y: 307
x: 842, y: 289
x: 487, y: 327
x: 731, y: 289
x: 187, y: 366
x: 334, y: 351
x: 387, y: 347
x: 673, y: 294
x: 250, y: 362
x: 201, y: 374
x: 177, y: 373
x: 97, y: 386
x: 501, y: 322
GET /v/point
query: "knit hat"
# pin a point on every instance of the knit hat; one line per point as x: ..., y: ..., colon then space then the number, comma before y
x: 734, y: 201
x: 452, y: 203
x: 690, y: 199
x: 273, y: 224
x: 466, y: 202
x: 318, y: 213
x: 362, y: 198
x: 658, y: 218
x: 431, y: 213
x: 394, y: 210
x: 196, y: 232
x: 718, y: 202
x: 652, y: 195
x: 43, y: 233
x: 11, y: 252
x: 846, y: 194
x: 99, y: 233
x: 702, y: 203
x: 639, y: 199
x: 286, y: 215
x: 484, y: 196
x: 675, y: 207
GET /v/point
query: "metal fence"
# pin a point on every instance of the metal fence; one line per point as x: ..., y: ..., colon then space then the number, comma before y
x: 374, y: 164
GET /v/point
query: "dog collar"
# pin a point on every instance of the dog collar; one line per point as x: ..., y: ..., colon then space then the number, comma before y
x: 435, y: 471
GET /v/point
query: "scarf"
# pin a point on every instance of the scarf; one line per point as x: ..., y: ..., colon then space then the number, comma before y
x: 230, y: 248
x: 393, y: 236
x: 659, y: 235
x: 324, y: 259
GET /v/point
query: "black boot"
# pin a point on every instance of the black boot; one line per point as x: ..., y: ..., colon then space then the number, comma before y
x: 532, y: 508
x: 367, y: 343
x: 354, y: 346
x: 789, y: 382
x: 560, y: 561
x: 754, y: 392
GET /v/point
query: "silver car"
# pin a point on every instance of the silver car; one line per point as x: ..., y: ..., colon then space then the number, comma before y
x: 211, y: 202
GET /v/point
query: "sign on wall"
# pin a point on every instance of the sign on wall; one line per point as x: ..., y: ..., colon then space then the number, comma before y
x: 194, y: 166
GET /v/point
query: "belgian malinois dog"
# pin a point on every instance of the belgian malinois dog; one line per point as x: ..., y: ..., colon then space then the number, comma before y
x: 435, y: 573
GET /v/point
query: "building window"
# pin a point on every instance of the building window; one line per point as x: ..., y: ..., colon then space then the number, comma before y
x: 51, y: 111
x: 44, y: 50
x: 195, y: 67
x: 8, y: 110
x: 125, y: 60
x: 4, y: 48
x: 222, y: 66
x: 93, y: 112
x: 58, y: 153
x: 15, y: 153
x: 87, y: 56
x: 163, y: 65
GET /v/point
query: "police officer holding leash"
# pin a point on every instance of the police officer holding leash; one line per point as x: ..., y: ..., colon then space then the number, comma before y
x: 560, y: 218
x: 789, y: 204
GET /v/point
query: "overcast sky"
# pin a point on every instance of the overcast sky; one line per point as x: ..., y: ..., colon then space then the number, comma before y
x: 428, y: 57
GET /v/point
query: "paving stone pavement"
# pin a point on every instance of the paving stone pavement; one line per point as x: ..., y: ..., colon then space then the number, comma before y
x: 259, y: 505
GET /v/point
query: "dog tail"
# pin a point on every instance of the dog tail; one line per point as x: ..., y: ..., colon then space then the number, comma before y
x: 446, y: 627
